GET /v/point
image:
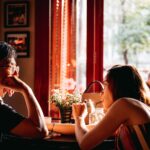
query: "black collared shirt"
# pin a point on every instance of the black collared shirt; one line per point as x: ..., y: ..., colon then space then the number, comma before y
x: 9, y: 118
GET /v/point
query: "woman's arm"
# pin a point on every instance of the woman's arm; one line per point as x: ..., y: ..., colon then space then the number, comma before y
x: 105, y: 128
x: 63, y: 128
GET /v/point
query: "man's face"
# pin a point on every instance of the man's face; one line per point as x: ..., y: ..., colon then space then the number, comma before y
x: 7, y: 68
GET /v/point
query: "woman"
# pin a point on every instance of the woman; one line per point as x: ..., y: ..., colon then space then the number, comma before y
x: 126, y: 103
x: 11, y: 122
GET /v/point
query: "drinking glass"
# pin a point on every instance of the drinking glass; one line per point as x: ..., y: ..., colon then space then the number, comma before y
x: 96, y: 116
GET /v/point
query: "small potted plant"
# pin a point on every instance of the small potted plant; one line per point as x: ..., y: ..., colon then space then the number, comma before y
x: 64, y: 100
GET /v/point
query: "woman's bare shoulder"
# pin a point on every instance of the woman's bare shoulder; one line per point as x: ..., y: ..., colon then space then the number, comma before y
x: 126, y: 101
x: 123, y: 102
x: 137, y: 111
x: 126, y: 106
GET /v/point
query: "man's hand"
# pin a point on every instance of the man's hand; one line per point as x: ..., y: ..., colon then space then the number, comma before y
x: 12, y: 84
x: 10, y: 92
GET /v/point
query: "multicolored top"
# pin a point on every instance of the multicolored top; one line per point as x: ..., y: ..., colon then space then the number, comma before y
x: 136, y: 137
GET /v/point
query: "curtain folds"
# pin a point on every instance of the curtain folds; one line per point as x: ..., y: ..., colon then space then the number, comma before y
x: 63, y: 42
x: 55, y: 51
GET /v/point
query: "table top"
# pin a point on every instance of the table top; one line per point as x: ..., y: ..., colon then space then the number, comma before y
x: 61, y: 142
x: 62, y: 138
x: 70, y: 142
x: 56, y: 141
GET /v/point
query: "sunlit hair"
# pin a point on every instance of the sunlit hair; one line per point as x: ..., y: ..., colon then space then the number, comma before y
x: 125, y: 81
x: 6, y: 51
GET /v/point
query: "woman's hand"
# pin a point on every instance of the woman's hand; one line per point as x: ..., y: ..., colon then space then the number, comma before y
x: 79, y: 110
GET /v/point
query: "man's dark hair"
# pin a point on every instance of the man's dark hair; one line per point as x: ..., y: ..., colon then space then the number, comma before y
x: 6, y: 51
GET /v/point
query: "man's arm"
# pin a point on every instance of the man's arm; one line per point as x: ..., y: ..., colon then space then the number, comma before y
x: 34, y: 125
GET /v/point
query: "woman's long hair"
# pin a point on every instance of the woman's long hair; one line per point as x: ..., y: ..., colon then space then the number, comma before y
x: 125, y: 81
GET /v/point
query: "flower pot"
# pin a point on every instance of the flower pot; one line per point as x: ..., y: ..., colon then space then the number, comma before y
x: 66, y: 115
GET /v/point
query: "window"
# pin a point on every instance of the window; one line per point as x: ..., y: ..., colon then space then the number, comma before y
x: 68, y: 44
x: 127, y: 33
x: 66, y: 30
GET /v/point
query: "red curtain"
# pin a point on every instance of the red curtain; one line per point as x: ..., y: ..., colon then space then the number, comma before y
x: 42, y: 53
x: 41, y: 84
x: 94, y: 40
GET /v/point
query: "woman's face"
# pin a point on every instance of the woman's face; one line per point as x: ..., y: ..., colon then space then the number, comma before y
x: 107, y: 97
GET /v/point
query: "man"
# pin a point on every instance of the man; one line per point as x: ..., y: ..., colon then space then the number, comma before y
x: 11, y: 122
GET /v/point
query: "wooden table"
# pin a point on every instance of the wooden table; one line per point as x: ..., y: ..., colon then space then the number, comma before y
x: 63, y: 142
x: 66, y: 142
